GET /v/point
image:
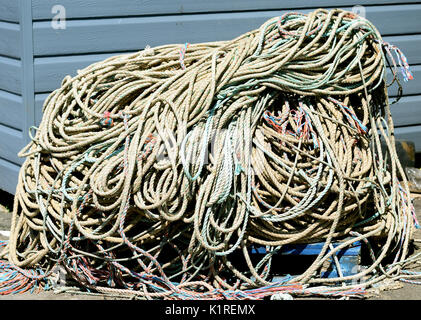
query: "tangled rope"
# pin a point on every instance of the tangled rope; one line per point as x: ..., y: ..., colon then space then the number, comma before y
x: 155, y: 173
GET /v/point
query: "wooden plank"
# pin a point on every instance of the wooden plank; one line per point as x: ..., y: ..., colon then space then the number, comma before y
x: 39, y: 102
x: 10, y: 75
x: 409, y: 88
x: 11, y: 143
x: 42, y: 9
x: 9, y: 10
x: 9, y: 39
x: 409, y: 44
x: 105, y: 35
x: 9, y: 173
x: 11, y: 109
x: 349, y: 266
x: 348, y: 257
x: 49, y: 72
x: 396, y: 19
x: 411, y: 133
x: 407, y: 111
x: 27, y: 70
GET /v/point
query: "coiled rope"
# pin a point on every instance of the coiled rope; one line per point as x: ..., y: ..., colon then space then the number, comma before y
x: 155, y: 173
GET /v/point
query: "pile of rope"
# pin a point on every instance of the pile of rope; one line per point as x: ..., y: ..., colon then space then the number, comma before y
x: 154, y: 174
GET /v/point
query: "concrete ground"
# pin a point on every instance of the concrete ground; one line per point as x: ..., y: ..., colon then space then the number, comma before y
x: 401, y: 291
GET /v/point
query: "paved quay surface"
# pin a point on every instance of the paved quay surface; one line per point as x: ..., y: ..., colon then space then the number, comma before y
x: 402, y: 291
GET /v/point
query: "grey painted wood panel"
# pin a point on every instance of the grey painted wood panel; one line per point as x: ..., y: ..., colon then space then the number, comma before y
x: 49, y: 72
x: 9, y: 10
x: 395, y: 19
x: 407, y: 111
x: 12, y: 142
x: 105, y: 35
x: 409, y: 88
x: 10, y: 75
x: 9, y: 173
x: 11, y: 109
x: 410, y: 46
x: 39, y: 102
x: 27, y: 72
x: 9, y: 39
x: 105, y: 8
x: 412, y: 133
